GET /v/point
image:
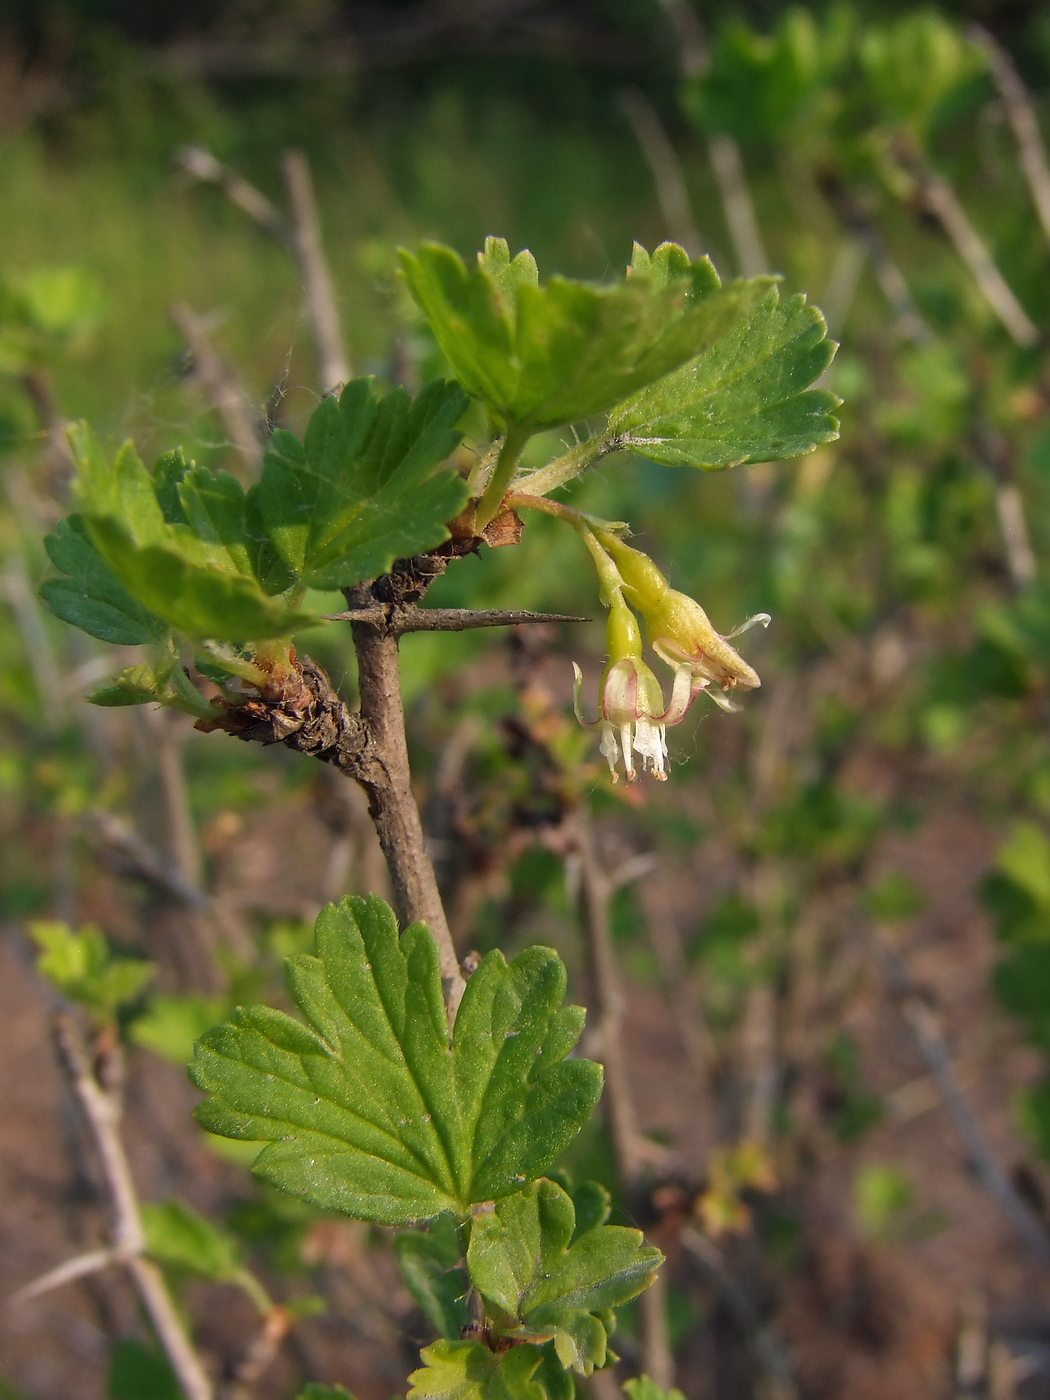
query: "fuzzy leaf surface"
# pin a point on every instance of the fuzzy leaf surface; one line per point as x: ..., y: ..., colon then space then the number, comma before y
x: 363, y: 488
x: 540, y: 1279
x: 193, y: 572
x: 369, y: 1109
x: 470, y: 1371
x: 745, y: 399
x: 90, y: 596
x: 539, y: 357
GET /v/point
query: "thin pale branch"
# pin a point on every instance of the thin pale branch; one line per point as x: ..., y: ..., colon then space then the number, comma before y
x: 222, y: 388
x: 134, y: 856
x: 631, y: 1151
x: 78, y: 1267
x: 752, y: 259
x: 996, y: 456
x: 940, y: 199
x: 318, y: 287
x: 103, y: 1112
x: 1021, y: 114
x: 693, y: 56
x: 930, y: 1041
x: 665, y: 168
x: 768, y: 1353
x: 261, y: 1352
x: 910, y: 323
x: 202, y: 165
x: 169, y: 731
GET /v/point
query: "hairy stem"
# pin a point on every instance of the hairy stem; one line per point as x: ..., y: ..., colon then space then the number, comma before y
x: 571, y: 464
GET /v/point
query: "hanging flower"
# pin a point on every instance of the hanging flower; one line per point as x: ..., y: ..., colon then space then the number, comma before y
x: 632, y: 716
x: 679, y: 630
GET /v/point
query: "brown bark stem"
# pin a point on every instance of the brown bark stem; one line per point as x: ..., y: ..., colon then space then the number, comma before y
x: 392, y: 803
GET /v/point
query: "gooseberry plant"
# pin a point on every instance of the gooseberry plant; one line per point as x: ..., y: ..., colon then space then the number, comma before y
x: 411, y: 1095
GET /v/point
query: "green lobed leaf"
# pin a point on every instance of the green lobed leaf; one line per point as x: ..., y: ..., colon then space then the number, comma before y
x: 432, y: 1267
x: 140, y: 1372
x: 368, y: 1110
x: 91, y: 597
x: 540, y: 1279
x: 743, y: 400
x: 470, y: 1371
x: 180, y: 1238
x: 645, y: 1388
x: 1025, y: 858
x: 363, y: 488
x: 171, y: 1024
x: 193, y: 572
x: 166, y: 683
x: 539, y: 357
x: 84, y: 967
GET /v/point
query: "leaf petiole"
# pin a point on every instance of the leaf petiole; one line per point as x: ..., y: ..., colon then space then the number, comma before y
x: 502, y: 476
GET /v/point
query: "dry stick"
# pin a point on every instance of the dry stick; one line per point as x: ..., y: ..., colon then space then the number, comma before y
x: 39, y: 653
x: 910, y: 323
x: 929, y: 1038
x: 102, y: 1110
x: 318, y: 287
x: 996, y: 454
x: 723, y: 151
x: 202, y: 165
x: 768, y: 1353
x: 222, y: 388
x: 1009, y: 505
x: 842, y: 283
x: 131, y: 855
x: 666, y: 942
x: 37, y: 384
x: 629, y: 1149
x: 1021, y: 114
x: 741, y: 219
x: 261, y: 1352
x: 665, y: 168
x: 940, y: 198
x: 169, y: 734
x: 302, y: 237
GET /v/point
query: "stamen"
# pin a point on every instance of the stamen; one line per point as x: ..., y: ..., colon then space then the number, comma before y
x: 758, y: 620
x: 628, y: 761
x: 611, y: 750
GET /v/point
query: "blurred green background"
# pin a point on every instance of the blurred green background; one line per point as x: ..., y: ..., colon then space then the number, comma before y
x: 871, y: 834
